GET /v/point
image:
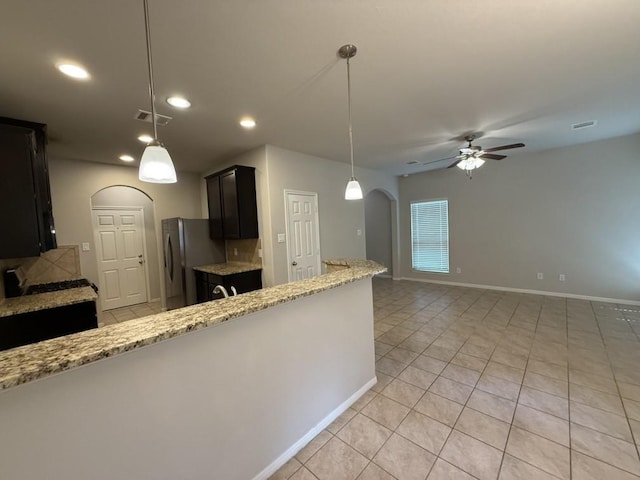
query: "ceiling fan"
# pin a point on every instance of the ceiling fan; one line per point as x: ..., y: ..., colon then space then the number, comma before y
x: 473, y: 156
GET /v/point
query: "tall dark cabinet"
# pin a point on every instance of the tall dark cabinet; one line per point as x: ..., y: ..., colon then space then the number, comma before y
x: 233, y: 212
x: 26, y: 215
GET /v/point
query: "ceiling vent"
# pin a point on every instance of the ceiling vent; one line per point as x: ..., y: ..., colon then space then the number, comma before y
x: 578, y: 126
x: 145, y: 116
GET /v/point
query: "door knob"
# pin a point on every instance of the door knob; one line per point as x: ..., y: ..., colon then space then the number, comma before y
x: 140, y: 256
x: 140, y: 262
x: 294, y: 263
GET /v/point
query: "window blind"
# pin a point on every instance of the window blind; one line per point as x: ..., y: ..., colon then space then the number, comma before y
x: 430, y: 236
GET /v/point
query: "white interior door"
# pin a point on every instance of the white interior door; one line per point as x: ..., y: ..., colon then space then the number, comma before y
x: 119, y: 240
x: 303, y: 235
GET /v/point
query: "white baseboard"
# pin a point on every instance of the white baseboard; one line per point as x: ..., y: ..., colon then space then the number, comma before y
x: 524, y: 290
x: 274, y: 466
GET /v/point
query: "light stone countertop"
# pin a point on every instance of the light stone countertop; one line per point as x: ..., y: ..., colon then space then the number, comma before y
x: 228, y: 268
x: 31, y: 362
x: 41, y: 301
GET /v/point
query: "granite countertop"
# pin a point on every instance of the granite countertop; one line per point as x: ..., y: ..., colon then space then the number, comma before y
x: 41, y: 301
x: 228, y: 268
x: 30, y: 362
x: 352, y: 263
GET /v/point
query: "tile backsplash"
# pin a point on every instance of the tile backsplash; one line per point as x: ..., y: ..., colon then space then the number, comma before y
x: 62, y: 263
x: 244, y: 251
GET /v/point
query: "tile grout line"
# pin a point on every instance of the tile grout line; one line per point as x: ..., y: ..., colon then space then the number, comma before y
x: 615, y: 379
x: 513, y: 417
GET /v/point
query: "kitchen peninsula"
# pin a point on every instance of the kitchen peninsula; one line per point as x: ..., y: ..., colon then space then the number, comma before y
x: 229, y: 389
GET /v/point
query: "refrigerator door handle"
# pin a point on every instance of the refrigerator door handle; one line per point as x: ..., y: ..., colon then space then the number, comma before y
x: 168, y: 263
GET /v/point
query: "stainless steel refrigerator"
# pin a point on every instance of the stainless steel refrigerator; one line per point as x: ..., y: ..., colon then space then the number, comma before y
x: 186, y: 245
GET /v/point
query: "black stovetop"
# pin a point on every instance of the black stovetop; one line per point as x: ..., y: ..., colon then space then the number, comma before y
x: 55, y: 286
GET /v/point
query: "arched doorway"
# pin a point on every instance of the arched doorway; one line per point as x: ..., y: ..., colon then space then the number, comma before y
x: 379, y: 218
x: 125, y: 216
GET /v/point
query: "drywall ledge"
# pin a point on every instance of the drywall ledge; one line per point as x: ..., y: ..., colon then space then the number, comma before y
x: 231, y: 401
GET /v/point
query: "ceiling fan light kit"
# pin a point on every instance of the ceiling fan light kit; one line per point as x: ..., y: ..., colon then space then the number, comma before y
x: 155, y: 165
x: 353, y: 190
x: 472, y: 156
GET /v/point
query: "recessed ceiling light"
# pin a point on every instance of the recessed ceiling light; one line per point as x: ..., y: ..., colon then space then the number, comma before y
x: 178, y: 102
x: 145, y: 138
x: 247, y: 123
x: 73, y: 71
x: 127, y: 158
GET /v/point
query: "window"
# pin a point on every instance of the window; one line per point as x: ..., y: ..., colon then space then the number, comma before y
x: 430, y: 236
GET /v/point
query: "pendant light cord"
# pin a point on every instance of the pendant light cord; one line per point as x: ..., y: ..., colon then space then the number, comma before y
x: 349, y: 103
x: 150, y: 65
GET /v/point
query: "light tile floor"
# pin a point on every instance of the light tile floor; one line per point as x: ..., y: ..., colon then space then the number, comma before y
x: 123, y: 314
x: 485, y: 384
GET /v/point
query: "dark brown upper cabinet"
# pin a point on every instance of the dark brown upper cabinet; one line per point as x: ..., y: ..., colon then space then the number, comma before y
x: 233, y: 210
x: 26, y: 215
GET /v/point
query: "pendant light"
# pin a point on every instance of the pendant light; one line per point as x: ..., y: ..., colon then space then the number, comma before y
x: 155, y: 165
x: 353, y: 190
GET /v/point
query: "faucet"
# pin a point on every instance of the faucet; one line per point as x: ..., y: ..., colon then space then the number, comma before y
x: 221, y: 289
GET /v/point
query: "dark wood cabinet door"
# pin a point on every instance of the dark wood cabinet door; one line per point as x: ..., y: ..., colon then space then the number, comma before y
x: 247, y: 202
x: 245, y: 282
x: 27, y: 216
x: 202, y: 293
x: 233, y: 210
x: 18, y: 215
x: 214, y: 200
x: 230, y: 209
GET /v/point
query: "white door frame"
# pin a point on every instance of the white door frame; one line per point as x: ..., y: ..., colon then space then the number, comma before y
x: 287, y: 232
x: 144, y: 243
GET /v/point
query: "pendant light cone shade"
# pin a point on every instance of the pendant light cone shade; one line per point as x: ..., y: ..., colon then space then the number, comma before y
x: 353, y: 190
x: 155, y: 165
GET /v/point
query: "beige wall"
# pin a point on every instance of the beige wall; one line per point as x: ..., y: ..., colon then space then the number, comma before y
x: 278, y: 169
x: 339, y: 219
x: 73, y: 183
x: 570, y: 210
x: 377, y: 210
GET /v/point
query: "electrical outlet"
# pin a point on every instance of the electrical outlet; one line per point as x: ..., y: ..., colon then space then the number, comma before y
x: 540, y: 276
x: 458, y: 270
x: 235, y: 252
x: 561, y: 277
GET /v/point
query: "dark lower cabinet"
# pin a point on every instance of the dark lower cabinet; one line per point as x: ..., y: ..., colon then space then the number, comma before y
x: 31, y: 327
x: 243, y: 282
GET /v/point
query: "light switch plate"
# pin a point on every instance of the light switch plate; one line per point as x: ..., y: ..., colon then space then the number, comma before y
x: 85, y: 246
x: 281, y: 238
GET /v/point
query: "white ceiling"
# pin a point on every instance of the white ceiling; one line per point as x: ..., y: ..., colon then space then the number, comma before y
x: 426, y: 72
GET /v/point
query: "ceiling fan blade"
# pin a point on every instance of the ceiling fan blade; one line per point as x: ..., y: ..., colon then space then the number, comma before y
x: 441, y: 160
x: 504, y: 147
x: 492, y: 156
x: 455, y: 163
